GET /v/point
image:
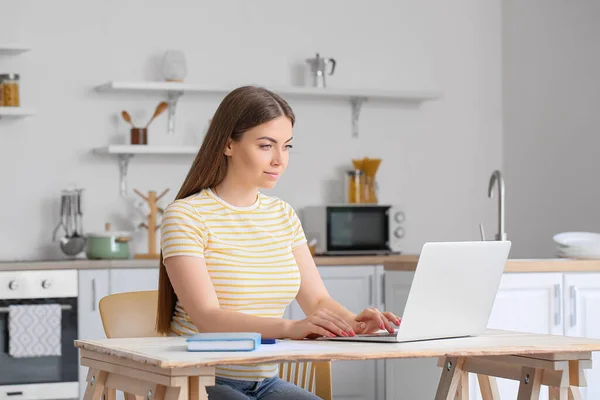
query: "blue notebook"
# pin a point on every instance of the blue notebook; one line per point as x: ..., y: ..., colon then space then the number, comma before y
x: 224, y: 341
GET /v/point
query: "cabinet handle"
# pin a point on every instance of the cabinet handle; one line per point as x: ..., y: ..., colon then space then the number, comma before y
x: 371, y: 299
x: 557, y: 303
x: 383, y: 289
x: 93, y: 294
x: 574, y: 304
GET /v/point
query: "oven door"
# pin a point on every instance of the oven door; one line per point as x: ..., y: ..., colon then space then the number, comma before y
x: 358, y: 229
x: 47, y: 377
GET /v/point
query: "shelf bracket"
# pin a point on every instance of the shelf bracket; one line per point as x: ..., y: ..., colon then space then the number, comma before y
x: 172, y: 100
x: 357, y: 103
x: 123, y: 166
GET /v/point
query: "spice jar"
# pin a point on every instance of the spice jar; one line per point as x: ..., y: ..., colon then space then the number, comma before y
x: 9, y: 85
x: 355, y: 186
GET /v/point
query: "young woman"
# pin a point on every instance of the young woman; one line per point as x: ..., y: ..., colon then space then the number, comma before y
x: 233, y: 258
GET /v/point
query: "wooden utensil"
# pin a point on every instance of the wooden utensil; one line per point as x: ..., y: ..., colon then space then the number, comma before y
x: 127, y: 117
x: 162, y: 106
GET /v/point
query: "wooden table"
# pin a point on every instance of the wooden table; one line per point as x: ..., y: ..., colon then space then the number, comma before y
x: 161, y: 368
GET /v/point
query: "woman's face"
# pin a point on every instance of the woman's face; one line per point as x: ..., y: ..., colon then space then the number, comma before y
x: 261, y: 156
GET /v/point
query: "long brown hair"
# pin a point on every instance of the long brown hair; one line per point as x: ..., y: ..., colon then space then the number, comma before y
x: 242, y: 109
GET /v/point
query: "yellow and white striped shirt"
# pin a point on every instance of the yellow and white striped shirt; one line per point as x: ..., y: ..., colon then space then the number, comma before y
x: 248, y: 253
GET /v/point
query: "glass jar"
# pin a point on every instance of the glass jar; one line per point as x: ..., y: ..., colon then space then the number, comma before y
x: 355, y: 186
x: 9, y: 84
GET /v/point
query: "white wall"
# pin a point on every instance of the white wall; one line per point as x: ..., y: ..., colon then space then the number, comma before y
x: 436, y: 160
x: 551, y: 64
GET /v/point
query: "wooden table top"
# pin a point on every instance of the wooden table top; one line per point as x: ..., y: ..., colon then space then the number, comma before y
x: 171, y: 352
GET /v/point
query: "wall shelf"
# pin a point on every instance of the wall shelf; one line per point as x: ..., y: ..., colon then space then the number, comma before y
x: 9, y: 49
x: 356, y: 97
x: 146, y: 149
x: 125, y: 152
x: 16, y: 112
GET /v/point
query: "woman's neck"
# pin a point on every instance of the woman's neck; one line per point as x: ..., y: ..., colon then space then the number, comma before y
x: 235, y: 193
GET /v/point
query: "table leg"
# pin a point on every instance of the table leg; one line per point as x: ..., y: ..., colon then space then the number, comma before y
x: 574, y: 393
x: 96, y: 380
x: 489, y: 387
x: 462, y: 393
x: 558, y: 393
x: 531, y: 381
x: 451, y: 375
x: 197, y: 387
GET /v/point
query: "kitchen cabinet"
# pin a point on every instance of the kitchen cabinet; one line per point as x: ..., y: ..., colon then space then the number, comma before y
x: 581, y: 304
x: 528, y: 302
x: 133, y: 279
x: 93, y: 285
x: 356, y: 288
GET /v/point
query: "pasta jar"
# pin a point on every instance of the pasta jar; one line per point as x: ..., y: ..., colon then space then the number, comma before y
x: 9, y: 85
x: 355, y: 186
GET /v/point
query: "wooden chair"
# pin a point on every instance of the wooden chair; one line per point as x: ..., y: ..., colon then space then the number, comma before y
x: 133, y: 314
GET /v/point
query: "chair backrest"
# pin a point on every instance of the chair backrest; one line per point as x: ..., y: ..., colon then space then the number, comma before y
x: 133, y: 314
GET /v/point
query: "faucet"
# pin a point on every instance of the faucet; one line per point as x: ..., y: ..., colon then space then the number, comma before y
x: 496, y: 179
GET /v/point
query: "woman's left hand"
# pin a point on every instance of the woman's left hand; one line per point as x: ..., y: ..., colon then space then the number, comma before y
x: 371, y: 320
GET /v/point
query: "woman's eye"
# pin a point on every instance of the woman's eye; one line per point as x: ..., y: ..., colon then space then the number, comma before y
x: 289, y: 146
x: 265, y: 146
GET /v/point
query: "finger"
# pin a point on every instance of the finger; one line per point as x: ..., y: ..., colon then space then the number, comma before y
x: 384, y: 323
x: 387, y: 325
x: 392, y: 317
x: 340, y: 322
x: 377, y: 317
x: 320, y: 331
x: 323, y: 321
x: 326, y: 314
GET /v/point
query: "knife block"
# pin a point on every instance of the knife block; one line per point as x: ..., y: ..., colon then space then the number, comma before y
x: 151, y: 225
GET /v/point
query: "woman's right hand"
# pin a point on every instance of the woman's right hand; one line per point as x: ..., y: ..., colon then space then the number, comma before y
x: 320, y: 323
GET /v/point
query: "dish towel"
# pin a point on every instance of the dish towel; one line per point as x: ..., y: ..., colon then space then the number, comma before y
x: 34, y: 330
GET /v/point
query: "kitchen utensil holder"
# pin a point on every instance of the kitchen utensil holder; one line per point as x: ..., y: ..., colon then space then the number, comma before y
x: 139, y: 135
x: 151, y: 225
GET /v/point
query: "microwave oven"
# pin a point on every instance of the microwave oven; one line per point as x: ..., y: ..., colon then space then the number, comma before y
x: 354, y: 228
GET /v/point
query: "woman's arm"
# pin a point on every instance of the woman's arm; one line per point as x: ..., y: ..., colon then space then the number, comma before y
x: 313, y: 294
x: 193, y: 286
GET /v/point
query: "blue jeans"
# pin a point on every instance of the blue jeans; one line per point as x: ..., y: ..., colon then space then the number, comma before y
x: 268, y: 389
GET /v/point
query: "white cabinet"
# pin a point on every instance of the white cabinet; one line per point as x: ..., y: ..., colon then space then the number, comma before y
x: 133, y: 279
x: 356, y: 288
x: 530, y: 302
x: 524, y: 302
x: 582, y: 318
x: 93, y: 285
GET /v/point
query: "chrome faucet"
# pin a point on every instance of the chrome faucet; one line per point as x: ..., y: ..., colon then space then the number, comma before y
x: 496, y: 179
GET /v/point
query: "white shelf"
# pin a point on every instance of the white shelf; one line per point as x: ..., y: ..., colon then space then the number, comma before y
x: 13, y: 49
x: 15, y: 112
x: 147, y: 149
x: 300, y: 92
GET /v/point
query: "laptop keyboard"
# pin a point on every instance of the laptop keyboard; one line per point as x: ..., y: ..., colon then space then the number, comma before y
x: 378, y: 334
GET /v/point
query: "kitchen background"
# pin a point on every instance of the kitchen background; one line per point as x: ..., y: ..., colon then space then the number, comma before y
x: 514, y: 78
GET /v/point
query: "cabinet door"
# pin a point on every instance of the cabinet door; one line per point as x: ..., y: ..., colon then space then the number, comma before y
x: 529, y: 302
x: 355, y: 288
x: 414, y: 378
x: 133, y: 279
x: 582, y: 319
x: 93, y: 285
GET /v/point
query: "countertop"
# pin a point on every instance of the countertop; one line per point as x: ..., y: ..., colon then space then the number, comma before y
x: 104, y: 264
x: 401, y: 262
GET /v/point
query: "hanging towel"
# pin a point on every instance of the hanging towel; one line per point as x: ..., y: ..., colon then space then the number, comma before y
x: 34, y: 330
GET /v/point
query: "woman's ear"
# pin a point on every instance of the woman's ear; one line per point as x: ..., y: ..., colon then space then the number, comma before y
x: 228, y: 148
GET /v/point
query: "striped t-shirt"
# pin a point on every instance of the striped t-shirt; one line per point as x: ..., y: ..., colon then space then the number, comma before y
x: 248, y: 253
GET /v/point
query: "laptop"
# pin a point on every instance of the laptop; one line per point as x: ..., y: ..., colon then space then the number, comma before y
x: 452, y: 292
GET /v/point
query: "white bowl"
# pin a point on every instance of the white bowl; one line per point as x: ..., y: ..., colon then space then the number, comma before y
x: 584, y: 240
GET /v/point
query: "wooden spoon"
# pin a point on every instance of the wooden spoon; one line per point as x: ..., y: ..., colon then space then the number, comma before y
x: 162, y: 106
x: 127, y: 117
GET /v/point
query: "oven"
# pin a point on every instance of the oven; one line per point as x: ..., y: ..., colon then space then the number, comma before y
x: 46, y: 376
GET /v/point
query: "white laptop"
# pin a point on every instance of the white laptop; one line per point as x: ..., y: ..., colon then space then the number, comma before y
x: 452, y: 293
